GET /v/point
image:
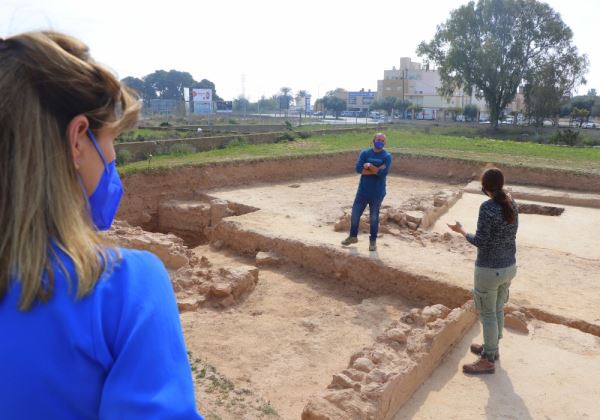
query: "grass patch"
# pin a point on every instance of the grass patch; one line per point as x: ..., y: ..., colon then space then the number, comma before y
x: 399, y: 140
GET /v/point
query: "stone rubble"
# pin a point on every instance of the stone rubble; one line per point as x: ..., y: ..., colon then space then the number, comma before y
x: 381, y: 377
x: 195, y: 281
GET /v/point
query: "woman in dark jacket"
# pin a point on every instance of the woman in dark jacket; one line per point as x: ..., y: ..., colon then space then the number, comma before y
x: 495, y: 266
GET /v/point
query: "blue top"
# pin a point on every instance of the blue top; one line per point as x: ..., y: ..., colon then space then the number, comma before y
x: 118, y: 353
x: 495, y: 239
x: 373, y: 186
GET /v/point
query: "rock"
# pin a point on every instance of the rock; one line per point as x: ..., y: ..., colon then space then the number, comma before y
x: 440, y: 201
x: 363, y: 364
x: 204, y: 262
x: 218, y: 244
x: 221, y: 290
x: 354, y: 374
x: 431, y: 313
x: 517, y: 321
x: 294, y: 186
x: 377, y: 376
x: 377, y: 356
x: 397, y: 334
x: 188, y: 304
x: 341, y: 381
x: 267, y: 259
x: 355, y: 356
x: 414, y: 216
x: 412, y: 226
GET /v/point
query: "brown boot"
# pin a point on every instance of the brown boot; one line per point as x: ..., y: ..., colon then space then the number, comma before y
x: 481, y: 366
x: 478, y: 350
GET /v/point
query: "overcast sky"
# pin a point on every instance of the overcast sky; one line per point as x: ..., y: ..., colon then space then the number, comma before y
x: 257, y: 46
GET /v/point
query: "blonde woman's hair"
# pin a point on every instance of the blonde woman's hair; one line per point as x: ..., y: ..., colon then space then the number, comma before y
x: 46, y: 79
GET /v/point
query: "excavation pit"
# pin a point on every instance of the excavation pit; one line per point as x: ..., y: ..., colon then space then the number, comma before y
x: 307, y: 308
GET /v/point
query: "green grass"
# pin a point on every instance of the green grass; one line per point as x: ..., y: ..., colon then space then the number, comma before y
x: 408, y: 141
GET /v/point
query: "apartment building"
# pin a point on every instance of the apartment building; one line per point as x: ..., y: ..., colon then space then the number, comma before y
x: 418, y: 84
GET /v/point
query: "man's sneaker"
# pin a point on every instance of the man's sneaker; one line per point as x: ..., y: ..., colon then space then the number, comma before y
x: 481, y: 366
x: 350, y: 240
x: 478, y: 350
x: 372, y: 246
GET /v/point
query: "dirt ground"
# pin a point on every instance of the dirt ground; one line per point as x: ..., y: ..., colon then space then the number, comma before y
x: 264, y: 356
x: 552, y: 373
x: 558, y: 257
x: 283, y: 343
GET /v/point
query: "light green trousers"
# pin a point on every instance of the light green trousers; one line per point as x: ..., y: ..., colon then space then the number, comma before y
x: 490, y: 295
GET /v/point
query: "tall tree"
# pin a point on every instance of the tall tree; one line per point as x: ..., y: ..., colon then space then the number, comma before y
x: 550, y: 83
x: 169, y: 85
x: 492, y: 46
x: 143, y: 89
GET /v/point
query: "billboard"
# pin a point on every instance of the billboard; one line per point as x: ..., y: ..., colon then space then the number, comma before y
x: 202, y: 95
x: 202, y: 99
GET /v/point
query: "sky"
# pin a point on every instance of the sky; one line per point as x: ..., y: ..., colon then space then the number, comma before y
x: 255, y: 47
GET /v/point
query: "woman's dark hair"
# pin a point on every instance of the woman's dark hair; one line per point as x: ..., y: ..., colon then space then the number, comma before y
x: 492, y: 181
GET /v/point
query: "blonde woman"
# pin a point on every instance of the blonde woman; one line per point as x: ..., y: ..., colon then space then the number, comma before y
x: 87, y: 330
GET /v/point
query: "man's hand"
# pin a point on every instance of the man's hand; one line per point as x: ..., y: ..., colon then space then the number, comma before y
x: 367, y: 165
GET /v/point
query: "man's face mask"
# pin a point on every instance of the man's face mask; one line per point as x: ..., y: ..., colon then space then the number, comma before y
x: 105, y: 199
x: 378, y: 144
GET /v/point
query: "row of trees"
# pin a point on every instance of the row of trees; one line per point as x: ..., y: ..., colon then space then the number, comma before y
x: 166, y: 85
x: 279, y: 102
x: 492, y: 47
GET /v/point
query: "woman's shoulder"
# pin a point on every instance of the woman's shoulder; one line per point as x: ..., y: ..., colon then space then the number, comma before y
x: 133, y: 271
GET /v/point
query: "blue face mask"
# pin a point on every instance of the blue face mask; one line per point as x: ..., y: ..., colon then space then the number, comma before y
x: 379, y: 144
x: 105, y: 199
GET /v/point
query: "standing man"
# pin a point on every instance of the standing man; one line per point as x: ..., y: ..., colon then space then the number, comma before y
x: 373, y: 164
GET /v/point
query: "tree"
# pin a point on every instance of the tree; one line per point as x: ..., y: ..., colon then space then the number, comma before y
x: 549, y: 84
x: 402, y: 105
x: 334, y: 104
x: 207, y: 84
x: 580, y: 115
x: 490, y: 47
x: 415, y: 109
x: 267, y: 104
x: 592, y: 92
x: 143, y: 89
x: 241, y: 104
x: 471, y: 112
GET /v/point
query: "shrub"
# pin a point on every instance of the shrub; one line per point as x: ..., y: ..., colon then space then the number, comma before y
x: 233, y: 121
x: 165, y: 124
x: 289, y: 126
x: 288, y: 136
x: 304, y: 134
x: 238, y: 141
x: 567, y: 136
x: 182, y: 149
x: 123, y: 156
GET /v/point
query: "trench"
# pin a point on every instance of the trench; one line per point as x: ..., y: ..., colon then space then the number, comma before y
x: 234, y: 218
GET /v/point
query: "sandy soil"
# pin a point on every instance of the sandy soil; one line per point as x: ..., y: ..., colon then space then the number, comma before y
x: 552, y: 373
x: 557, y: 256
x: 321, y: 202
x: 287, y: 339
